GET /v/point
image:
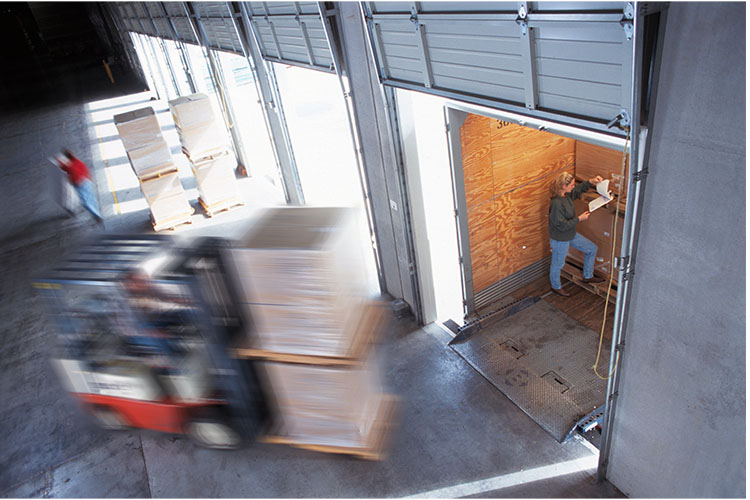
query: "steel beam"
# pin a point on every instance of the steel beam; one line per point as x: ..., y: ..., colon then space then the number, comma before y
x: 305, y: 37
x: 422, y: 46
x: 528, y: 58
x: 273, y: 31
x: 337, y: 58
x: 216, y: 76
x: 183, y: 57
x: 275, y: 121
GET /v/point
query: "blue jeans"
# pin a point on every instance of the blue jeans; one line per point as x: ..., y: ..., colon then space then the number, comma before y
x: 88, y: 198
x: 560, y: 250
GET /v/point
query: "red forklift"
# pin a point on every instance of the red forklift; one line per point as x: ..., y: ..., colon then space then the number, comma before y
x: 144, y: 328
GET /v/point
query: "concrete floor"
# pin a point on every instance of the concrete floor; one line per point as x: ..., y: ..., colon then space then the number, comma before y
x: 456, y: 435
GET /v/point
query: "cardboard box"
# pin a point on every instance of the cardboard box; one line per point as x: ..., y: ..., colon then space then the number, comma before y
x: 335, y: 406
x: 592, y: 160
x: 327, y: 330
x: 215, y: 179
x: 161, y: 187
x: 301, y: 256
x: 138, y: 128
x: 599, y: 229
x: 169, y: 207
x: 204, y: 140
x: 152, y: 159
x: 192, y: 110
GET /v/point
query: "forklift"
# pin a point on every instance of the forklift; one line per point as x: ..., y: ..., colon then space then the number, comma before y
x: 144, y: 328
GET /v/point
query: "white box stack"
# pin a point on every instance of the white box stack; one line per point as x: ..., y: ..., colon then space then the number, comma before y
x: 206, y: 144
x: 152, y: 163
x: 301, y: 278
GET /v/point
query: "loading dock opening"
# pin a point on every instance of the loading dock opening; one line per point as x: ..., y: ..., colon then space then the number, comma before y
x: 501, y: 170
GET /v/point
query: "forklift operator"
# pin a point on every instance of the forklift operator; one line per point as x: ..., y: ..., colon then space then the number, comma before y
x: 562, y: 229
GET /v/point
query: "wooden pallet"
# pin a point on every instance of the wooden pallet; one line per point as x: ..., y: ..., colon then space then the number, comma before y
x: 220, y: 207
x: 371, y: 323
x: 375, y: 443
x: 172, y: 222
x: 151, y: 175
x: 208, y: 154
x: 572, y: 272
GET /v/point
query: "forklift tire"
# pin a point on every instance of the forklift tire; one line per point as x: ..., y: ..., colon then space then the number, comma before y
x: 108, y: 419
x: 214, y: 434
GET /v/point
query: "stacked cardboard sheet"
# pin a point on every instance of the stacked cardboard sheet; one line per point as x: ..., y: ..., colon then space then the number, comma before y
x: 302, y: 282
x: 215, y: 179
x: 152, y: 163
x: 166, y: 198
x: 206, y: 144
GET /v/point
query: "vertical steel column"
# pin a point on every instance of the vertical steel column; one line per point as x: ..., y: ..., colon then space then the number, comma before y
x: 346, y: 94
x: 183, y: 57
x: 164, y: 51
x: 272, y: 108
x: 217, y: 78
x: 148, y: 64
x: 153, y: 54
x: 636, y: 186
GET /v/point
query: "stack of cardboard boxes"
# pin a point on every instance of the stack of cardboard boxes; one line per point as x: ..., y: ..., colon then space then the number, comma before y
x: 301, y: 278
x: 152, y: 163
x: 605, y: 225
x: 206, y: 144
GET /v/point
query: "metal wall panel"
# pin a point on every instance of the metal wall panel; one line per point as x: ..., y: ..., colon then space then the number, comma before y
x: 217, y: 23
x: 292, y: 33
x: 570, y: 62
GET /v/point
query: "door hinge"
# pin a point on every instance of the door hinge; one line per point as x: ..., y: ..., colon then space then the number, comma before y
x: 640, y: 175
x: 622, y: 120
x: 627, y: 20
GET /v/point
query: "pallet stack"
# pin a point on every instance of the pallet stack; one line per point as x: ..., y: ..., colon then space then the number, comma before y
x: 206, y: 144
x: 314, y: 332
x: 152, y: 163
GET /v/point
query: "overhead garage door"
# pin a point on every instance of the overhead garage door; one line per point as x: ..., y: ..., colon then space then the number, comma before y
x: 292, y: 33
x: 287, y: 32
x: 568, y: 62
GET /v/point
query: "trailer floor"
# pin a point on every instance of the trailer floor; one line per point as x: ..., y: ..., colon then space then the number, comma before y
x: 456, y: 434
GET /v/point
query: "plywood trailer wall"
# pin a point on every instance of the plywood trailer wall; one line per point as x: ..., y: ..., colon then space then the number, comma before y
x: 507, y: 171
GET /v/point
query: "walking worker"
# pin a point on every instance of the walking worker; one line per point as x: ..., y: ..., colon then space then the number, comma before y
x: 80, y: 177
x: 562, y: 229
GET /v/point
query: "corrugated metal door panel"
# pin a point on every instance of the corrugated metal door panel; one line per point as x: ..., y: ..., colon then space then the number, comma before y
x: 467, y: 6
x: 127, y: 16
x: 163, y: 26
x: 174, y: 9
x: 382, y: 7
x: 577, y: 6
x: 140, y: 11
x: 286, y: 38
x: 574, y: 66
x: 184, y: 30
x: 217, y: 23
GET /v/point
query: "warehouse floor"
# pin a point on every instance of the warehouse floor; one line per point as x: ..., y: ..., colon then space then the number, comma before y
x: 455, y: 435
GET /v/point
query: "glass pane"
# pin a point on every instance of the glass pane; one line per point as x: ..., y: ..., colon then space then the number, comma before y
x: 156, y: 70
x: 319, y: 128
x: 249, y: 120
x: 180, y: 72
x: 164, y: 67
x: 145, y: 61
x: 199, y: 66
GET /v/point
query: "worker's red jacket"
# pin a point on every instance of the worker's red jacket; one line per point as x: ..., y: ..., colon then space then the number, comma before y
x: 77, y: 171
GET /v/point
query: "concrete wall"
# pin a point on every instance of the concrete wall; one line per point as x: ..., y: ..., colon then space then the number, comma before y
x: 679, y: 427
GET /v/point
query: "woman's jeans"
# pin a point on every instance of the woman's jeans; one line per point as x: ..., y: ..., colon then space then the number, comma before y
x: 560, y: 250
x: 88, y: 197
